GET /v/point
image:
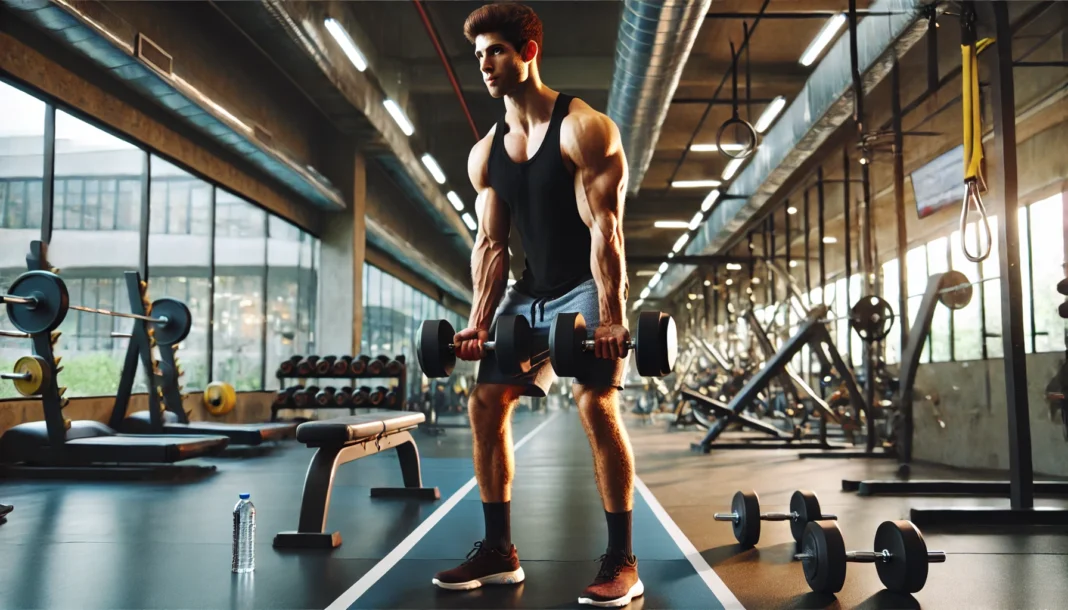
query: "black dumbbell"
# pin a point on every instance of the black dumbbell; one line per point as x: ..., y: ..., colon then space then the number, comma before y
x: 343, y: 397
x: 745, y: 515
x: 341, y: 366
x: 395, y: 366
x: 325, y: 396
x: 359, y: 365
x: 284, y: 398
x: 900, y: 556
x: 323, y: 367
x: 655, y: 344
x: 361, y: 396
x: 304, y: 396
x: 1062, y: 286
x: 510, y: 343
x: 289, y: 366
x: 307, y: 366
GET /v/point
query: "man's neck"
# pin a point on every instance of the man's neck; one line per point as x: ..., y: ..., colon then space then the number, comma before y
x: 530, y: 104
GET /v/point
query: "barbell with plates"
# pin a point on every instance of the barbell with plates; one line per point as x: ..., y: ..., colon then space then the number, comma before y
x: 510, y: 344
x: 37, y: 302
x: 655, y: 344
x: 30, y: 374
x: 745, y: 515
x: 900, y: 556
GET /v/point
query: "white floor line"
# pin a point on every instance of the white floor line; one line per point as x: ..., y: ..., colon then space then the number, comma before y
x: 718, y: 587
x: 386, y: 564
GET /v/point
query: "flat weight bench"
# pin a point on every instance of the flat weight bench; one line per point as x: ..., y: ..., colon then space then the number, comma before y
x: 343, y: 440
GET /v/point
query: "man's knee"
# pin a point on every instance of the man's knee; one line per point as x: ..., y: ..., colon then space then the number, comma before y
x: 594, y: 402
x: 491, y: 401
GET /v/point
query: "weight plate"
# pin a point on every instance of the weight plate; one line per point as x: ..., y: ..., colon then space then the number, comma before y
x: 433, y: 348
x: 37, y: 368
x: 955, y: 299
x: 872, y: 318
x: 51, y: 307
x: 219, y: 398
x: 648, y: 352
x: 1062, y: 286
x: 566, y: 335
x: 669, y: 338
x: 906, y: 572
x: 825, y: 568
x: 1062, y: 310
x: 179, y: 321
x: 511, y: 344
x: 746, y: 505
x: 807, y: 507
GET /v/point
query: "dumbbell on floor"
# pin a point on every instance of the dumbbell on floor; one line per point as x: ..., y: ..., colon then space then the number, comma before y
x: 510, y: 343
x: 745, y: 515
x: 655, y: 344
x: 900, y: 557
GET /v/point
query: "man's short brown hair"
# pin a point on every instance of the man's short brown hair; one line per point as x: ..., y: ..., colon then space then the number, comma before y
x: 516, y: 23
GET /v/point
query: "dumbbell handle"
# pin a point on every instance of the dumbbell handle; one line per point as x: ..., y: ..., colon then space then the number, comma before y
x: 486, y: 345
x: 21, y: 376
x: 873, y: 557
x: 588, y: 344
x: 772, y: 517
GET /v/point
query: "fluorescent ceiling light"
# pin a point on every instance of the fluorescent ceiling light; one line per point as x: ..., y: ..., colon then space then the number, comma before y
x: 434, y: 169
x: 662, y: 268
x: 671, y: 255
x: 455, y: 200
x: 470, y: 222
x: 729, y: 281
x: 734, y: 267
x: 824, y: 38
x: 770, y: 113
x: 695, y: 221
x: 710, y: 199
x: 347, y: 45
x: 670, y: 224
x: 685, y: 237
x: 708, y: 282
x: 693, y: 184
x: 830, y: 240
x: 716, y: 148
x: 791, y: 210
x: 732, y: 168
x: 656, y: 280
x: 793, y: 264
x: 644, y: 272
x: 645, y: 293
x: 398, y: 117
x: 637, y: 304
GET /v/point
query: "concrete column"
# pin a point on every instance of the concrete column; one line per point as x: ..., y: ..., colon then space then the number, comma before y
x: 343, y: 253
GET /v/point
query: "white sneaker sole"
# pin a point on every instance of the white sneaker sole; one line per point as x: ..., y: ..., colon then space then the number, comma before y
x: 504, y: 578
x: 636, y: 591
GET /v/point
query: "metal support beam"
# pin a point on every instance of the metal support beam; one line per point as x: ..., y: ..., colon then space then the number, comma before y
x: 814, y: 14
x: 899, y: 204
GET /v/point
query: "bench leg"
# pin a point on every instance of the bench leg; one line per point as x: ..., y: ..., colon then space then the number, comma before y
x: 319, y: 483
x: 408, y: 454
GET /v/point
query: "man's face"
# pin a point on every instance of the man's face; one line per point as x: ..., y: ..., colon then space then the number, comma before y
x: 501, y: 65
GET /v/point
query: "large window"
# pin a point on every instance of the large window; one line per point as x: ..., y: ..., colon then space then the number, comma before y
x: 249, y: 278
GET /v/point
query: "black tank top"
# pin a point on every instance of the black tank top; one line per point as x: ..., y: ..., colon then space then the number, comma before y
x: 540, y: 193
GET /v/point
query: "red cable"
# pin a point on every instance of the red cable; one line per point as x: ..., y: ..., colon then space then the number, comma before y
x: 448, y: 67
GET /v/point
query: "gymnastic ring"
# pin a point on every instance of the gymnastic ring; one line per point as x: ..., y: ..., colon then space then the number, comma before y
x: 749, y: 147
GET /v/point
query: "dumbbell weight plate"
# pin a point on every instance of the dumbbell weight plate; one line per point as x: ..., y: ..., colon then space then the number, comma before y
x: 179, y: 321
x: 746, y: 527
x: 825, y: 571
x: 872, y: 317
x: 807, y: 507
x: 906, y: 572
x: 657, y: 344
x: 566, y: 335
x: 51, y: 307
x: 1062, y: 310
x: 511, y: 346
x: 959, y: 298
x: 436, y: 358
x: 37, y: 368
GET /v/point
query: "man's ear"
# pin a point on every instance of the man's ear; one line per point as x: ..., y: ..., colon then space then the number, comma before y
x: 530, y: 51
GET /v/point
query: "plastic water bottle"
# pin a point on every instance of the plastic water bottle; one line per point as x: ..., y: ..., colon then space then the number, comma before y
x: 244, y: 551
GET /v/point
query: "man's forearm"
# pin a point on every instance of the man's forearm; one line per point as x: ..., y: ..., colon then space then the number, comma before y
x: 489, y: 277
x: 609, y: 274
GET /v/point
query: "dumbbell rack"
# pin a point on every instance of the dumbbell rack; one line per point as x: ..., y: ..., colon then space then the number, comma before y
x: 400, y: 389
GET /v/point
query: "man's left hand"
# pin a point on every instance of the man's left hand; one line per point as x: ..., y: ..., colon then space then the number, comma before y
x: 610, y: 341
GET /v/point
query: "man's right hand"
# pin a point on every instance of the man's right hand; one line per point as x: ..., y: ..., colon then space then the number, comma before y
x: 467, y: 344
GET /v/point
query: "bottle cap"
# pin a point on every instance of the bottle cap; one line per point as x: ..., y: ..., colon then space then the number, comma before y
x: 245, y: 496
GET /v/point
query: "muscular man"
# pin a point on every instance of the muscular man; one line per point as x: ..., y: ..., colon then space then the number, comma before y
x: 555, y: 167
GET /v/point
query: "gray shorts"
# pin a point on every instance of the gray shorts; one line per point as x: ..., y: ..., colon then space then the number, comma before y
x: 599, y: 373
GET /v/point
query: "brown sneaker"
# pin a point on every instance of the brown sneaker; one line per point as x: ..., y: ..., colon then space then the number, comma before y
x: 616, y: 584
x: 484, y: 566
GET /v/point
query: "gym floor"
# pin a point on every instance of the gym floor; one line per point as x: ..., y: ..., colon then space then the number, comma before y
x: 167, y: 545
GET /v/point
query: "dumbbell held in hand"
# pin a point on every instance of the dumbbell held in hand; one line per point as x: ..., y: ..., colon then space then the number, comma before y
x: 510, y: 344
x: 900, y: 556
x: 745, y: 515
x: 655, y: 344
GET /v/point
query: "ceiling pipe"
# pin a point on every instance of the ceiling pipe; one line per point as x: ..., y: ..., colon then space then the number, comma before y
x: 432, y: 32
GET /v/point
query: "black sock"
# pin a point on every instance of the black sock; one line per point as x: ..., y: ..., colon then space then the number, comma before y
x: 498, y: 525
x: 619, y: 532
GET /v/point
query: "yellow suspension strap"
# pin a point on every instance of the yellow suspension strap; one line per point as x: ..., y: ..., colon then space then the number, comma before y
x: 974, y: 183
